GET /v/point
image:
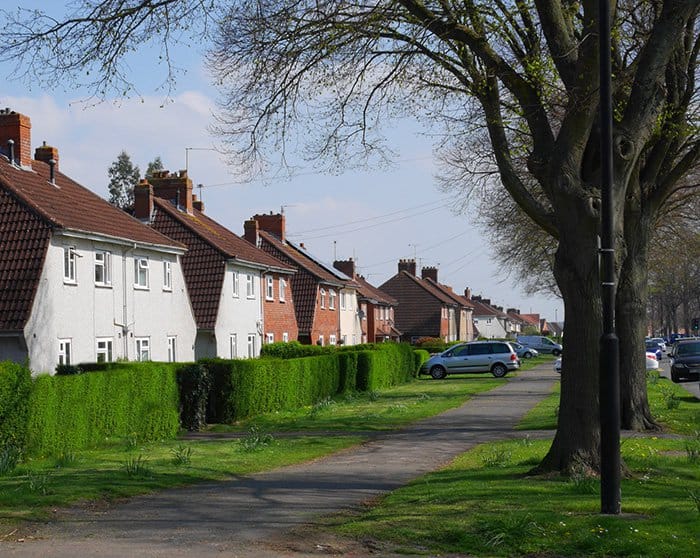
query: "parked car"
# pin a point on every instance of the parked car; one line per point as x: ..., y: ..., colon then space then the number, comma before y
x: 685, y: 360
x: 523, y: 351
x: 660, y: 341
x: 497, y: 357
x: 557, y: 365
x: 541, y: 343
x: 652, y: 362
x: 654, y: 347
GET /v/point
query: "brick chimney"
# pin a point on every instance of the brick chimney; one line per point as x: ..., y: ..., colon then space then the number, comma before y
x: 143, y: 200
x: 16, y: 127
x: 250, y: 231
x: 46, y: 153
x: 273, y: 224
x: 346, y: 266
x: 197, y: 204
x: 407, y: 265
x: 429, y: 272
x: 468, y: 293
x: 486, y: 301
x: 174, y: 187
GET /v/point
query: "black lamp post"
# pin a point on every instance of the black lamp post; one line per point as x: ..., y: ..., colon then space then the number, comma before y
x: 609, y: 344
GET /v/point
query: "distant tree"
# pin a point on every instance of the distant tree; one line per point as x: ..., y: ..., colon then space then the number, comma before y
x: 154, y: 166
x: 123, y: 176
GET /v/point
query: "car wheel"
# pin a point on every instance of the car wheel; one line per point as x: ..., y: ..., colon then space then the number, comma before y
x: 556, y: 352
x: 674, y: 376
x: 499, y: 370
x: 527, y: 355
x: 438, y: 372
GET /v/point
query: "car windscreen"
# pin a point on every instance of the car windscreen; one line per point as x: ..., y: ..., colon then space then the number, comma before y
x: 687, y: 349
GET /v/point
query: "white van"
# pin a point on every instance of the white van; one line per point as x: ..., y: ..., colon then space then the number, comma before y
x: 541, y: 343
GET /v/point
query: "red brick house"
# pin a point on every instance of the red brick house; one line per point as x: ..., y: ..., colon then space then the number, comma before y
x: 240, y: 294
x: 325, y: 299
x: 423, y: 309
x: 464, y: 318
x: 376, y: 307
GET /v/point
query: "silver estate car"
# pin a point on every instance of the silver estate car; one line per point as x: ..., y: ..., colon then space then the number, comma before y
x: 497, y: 357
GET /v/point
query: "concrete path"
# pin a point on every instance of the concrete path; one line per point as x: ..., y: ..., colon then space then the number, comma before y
x: 251, y: 516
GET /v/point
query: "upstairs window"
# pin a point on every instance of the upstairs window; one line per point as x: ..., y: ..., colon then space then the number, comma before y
x: 69, y: 255
x: 331, y: 301
x: 323, y: 298
x: 103, y: 268
x: 168, y: 278
x: 283, y: 290
x: 250, y: 285
x: 236, y: 284
x: 269, y: 288
x: 342, y: 300
x: 141, y: 272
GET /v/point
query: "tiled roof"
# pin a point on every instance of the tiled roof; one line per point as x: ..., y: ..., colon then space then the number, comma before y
x: 483, y: 309
x: 219, y: 237
x: 68, y: 205
x: 462, y: 301
x: 371, y: 292
x: 24, y: 238
x: 532, y: 319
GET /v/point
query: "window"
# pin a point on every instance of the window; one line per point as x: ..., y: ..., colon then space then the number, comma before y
x: 479, y: 349
x: 141, y: 273
x: 283, y: 290
x: 323, y: 298
x: 143, y: 348
x: 64, y: 351
x: 331, y: 340
x: 285, y: 336
x: 235, y: 283
x: 269, y: 288
x: 331, y: 301
x: 233, y: 344
x: 320, y: 340
x: 251, y: 345
x: 345, y: 340
x: 69, y: 264
x: 172, y: 355
x: 342, y: 300
x: 103, y: 268
x: 104, y: 350
x: 249, y: 285
x: 168, y: 278
x: 269, y: 338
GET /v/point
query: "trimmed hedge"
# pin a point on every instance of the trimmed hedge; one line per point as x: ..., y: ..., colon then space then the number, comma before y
x: 80, y: 411
x: 15, y: 387
x: 245, y: 388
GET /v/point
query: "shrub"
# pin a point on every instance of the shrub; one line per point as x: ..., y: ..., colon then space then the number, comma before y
x: 68, y: 413
x: 431, y: 344
x: 194, y: 383
x: 15, y: 388
x: 419, y: 357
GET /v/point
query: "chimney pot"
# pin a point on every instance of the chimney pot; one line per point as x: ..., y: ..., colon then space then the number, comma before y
x: 429, y: 272
x: 16, y: 127
x: 143, y: 200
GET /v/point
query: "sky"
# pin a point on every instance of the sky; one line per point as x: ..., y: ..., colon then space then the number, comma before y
x: 375, y: 216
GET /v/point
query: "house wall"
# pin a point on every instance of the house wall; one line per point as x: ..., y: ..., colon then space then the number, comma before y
x: 84, y: 311
x: 490, y: 327
x: 278, y: 315
x: 350, y: 323
x: 418, y: 314
x: 240, y: 315
x: 325, y: 321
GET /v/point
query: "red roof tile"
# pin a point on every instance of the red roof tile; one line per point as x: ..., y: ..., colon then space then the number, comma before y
x: 368, y: 291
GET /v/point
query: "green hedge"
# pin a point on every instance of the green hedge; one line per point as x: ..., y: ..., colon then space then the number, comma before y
x: 245, y: 388
x: 15, y: 387
x: 80, y: 411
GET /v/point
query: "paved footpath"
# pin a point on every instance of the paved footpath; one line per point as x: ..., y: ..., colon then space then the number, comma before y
x: 249, y: 516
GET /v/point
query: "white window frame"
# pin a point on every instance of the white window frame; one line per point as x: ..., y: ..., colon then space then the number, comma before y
x: 323, y: 297
x: 285, y: 336
x: 269, y: 338
x: 320, y: 340
x: 249, y: 285
x: 65, y: 352
x: 104, y: 347
x: 172, y: 348
x: 343, y: 294
x: 332, y: 340
x: 331, y: 299
x: 282, y: 290
x: 70, y: 265
x: 233, y: 345
x: 252, y: 344
x: 141, y: 272
x: 168, y: 277
x: 236, y: 284
x: 269, y: 287
x: 103, y: 262
x: 143, y: 345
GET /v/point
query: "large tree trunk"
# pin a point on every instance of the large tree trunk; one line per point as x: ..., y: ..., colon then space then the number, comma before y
x: 577, y: 440
x: 631, y: 320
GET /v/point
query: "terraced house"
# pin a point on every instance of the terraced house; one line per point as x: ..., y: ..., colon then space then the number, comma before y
x: 241, y: 295
x: 81, y: 280
x: 325, y: 298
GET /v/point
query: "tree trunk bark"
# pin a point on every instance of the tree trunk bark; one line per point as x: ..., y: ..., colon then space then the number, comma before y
x: 631, y: 322
x: 576, y: 443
